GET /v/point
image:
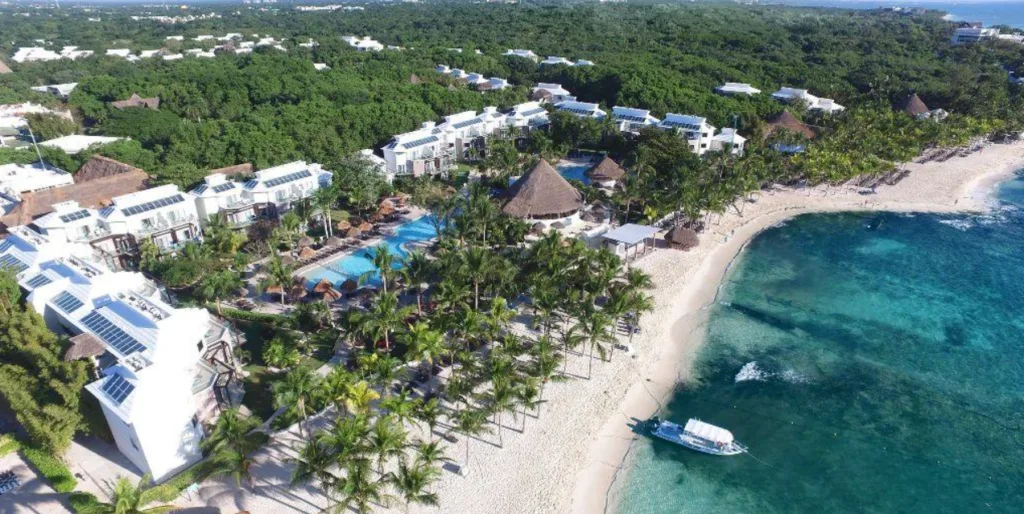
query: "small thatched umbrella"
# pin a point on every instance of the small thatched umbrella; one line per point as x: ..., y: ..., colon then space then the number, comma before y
x: 558, y: 225
x: 287, y: 259
x: 386, y: 204
x: 306, y: 252
x: 682, y: 238
x: 332, y: 294
x: 342, y: 225
x: 322, y: 286
x: 349, y: 285
x: 913, y: 105
x: 84, y: 346
x: 305, y: 241
x: 365, y: 227
x: 353, y: 232
x: 376, y: 217
x: 298, y: 289
x: 355, y: 221
x: 334, y: 241
x: 538, y: 228
x: 541, y: 194
x: 607, y: 170
x: 275, y: 289
x: 590, y: 217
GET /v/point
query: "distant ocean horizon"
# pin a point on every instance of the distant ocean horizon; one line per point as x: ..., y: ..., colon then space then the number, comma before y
x: 991, y: 13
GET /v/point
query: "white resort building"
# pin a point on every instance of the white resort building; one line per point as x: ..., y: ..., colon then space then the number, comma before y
x: 814, y: 103
x: 526, y: 116
x: 973, y: 35
x: 728, y: 139
x: 366, y: 44
x: 162, y: 372
x: 555, y: 60
x: 632, y: 120
x: 737, y: 88
x: 554, y: 93
x: 697, y: 131
x: 434, y: 148
x: 77, y: 142
x: 270, y: 193
x: 62, y: 91
x: 581, y: 109
x: 525, y: 54
x: 16, y: 179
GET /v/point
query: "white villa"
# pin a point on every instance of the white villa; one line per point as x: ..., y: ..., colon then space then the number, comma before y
x: 973, y: 35
x: 632, y: 120
x: 435, y: 147
x: 525, y: 54
x: 442, y: 69
x: 271, y: 192
x: 321, y: 66
x: 553, y: 93
x: 728, y: 138
x: 62, y: 91
x: 199, y: 52
x: 76, y: 143
x: 697, y: 131
x: 555, y: 60
x: 162, y: 372
x: 34, y: 53
x: 496, y: 84
x: 581, y: 109
x: 366, y: 44
x: 814, y: 103
x: 584, y: 62
x: 737, y: 88
x: 527, y: 115
x: 25, y: 178
x: 173, y: 57
x: 119, y: 52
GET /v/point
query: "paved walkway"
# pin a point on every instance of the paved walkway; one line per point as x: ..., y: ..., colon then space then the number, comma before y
x: 95, y: 462
x: 34, y: 495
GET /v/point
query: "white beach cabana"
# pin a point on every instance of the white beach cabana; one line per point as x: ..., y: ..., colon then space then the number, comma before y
x: 628, y: 236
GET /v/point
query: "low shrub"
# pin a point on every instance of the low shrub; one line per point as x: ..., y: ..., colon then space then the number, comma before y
x: 255, y: 317
x: 8, y: 444
x: 53, y: 469
x: 83, y: 503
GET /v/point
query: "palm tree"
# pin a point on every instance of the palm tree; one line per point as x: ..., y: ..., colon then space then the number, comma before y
x: 497, y: 318
x: 470, y: 423
x: 413, y: 482
x: 430, y: 454
x: 348, y: 440
x: 527, y: 395
x: 425, y: 345
x: 475, y: 265
x: 324, y: 199
x: 296, y: 391
x: 416, y: 272
x: 219, y: 285
x: 401, y: 406
x: 545, y: 365
x: 384, y: 370
x: 231, y: 442
x: 502, y: 400
x: 357, y: 490
x: 313, y: 464
x: 279, y: 274
x: 383, y: 318
x: 128, y: 498
x: 387, y: 440
x: 384, y: 261
x: 429, y: 412
x: 595, y: 327
x: 359, y: 397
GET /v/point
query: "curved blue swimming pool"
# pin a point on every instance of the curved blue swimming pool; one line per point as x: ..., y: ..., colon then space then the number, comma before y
x: 356, y: 264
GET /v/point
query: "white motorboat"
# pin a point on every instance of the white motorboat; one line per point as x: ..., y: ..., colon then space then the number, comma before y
x: 697, y: 435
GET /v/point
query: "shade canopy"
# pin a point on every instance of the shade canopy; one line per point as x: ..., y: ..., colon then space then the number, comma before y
x: 542, y: 193
x: 322, y: 286
x: 306, y: 252
x: 84, y: 346
x: 708, y: 432
x: 631, y: 234
x: 606, y: 170
x: 305, y: 241
x: 682, y: 237
x: 343, y: 225
x: 350, y: 285
x: 913, y: 105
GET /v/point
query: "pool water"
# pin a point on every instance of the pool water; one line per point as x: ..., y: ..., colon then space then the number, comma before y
x: 356, y: 264
x: 574, y: 170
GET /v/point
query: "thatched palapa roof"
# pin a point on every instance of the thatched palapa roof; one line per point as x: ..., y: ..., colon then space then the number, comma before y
x: 4, y: 68
x: 541, y: 94
x: 913, y: 105
x: 84, y: 346
x: 238, y: 169
x: 322, y: 286
x: 542, y: 193
x: 137, y: 101
x: 306, y: 252
x: 96, y: 183
x: 786, y: 121
x: 682, y: 238
x: 606, y: 170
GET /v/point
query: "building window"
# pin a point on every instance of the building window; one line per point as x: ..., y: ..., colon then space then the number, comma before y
x: 200, y: 346
x: 134, y: 444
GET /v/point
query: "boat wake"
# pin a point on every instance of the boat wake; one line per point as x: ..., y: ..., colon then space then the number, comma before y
x: 751, y: 372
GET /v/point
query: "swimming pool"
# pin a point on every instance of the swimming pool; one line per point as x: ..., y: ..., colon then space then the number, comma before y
x: 356, y: 264
x: 574, y: 170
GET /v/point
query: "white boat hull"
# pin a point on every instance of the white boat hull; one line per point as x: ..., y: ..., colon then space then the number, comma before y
x: 674, y: 433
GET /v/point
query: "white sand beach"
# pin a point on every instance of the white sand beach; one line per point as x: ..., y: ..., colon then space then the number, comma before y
x: 567, y: 458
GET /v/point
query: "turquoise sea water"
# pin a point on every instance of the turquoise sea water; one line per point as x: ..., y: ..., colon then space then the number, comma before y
x: 356, y: 264
x: 872, y: 363
x: 1006, y: 12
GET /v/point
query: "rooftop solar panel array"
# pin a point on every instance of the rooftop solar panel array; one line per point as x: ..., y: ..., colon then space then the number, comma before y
x: 220, y: 188
x: 421, y: 142
x: 72, y: 216
x: 624, y: 117
x: 10, y: 261
x: 117, y: 388
x: 687, y: 126
x: 38, y: 281
x: 124, y: 343
x: 531, y: 112
x: 148, y: 206
x: 5, y: 245
x: 291, y: 177
x: 467, y: 123
x: 67, y: 302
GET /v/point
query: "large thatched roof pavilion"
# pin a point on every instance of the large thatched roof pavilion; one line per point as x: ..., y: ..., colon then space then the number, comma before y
x: 542, y: 194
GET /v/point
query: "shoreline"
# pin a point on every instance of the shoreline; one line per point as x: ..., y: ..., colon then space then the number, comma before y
x: 966, y: 185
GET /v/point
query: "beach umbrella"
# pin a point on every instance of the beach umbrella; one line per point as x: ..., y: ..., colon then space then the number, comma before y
x: 365, y: 227
x: 386, y: 204
x: 306, y: 252
x: 275, y: 289
x: 287, y: 259
x: 322, y: 286
x: 538, y: 228
x: 558, y: 225
x: 682, y: 238
x: 355, y: 221
x: 335, y: 241
x: 353, y: 232
x: 298, y: 291
x: 349, y: 285
x: 376, y: 217
x: 332, y: 294
x: 590, y: 217
x: 305, y: 241
x: 342, y: 225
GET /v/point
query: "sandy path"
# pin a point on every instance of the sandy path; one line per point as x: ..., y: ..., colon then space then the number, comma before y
x: 567, y: 458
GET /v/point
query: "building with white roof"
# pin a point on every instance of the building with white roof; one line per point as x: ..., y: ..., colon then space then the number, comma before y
x: 525, y: 54
x: 442, y: 69
x: 632, y: 120
x: 162, y: 370
x: 172, y: 57
x: 162, y: 214
x: 814, y: 103
x: 309, y: 44
x: 554, y: 60
x: 62, y: 91
x: 377, y: 163
x: 526, y: 116
x: 203, y: 37
x: 175, y: 38
x: 199, y: 52
x: 973, y: 35
x: 366, y: 44
x: 475, y: 79
x: 34, y: 53
x: 276, y: 190
x: 147, y: 54
x: 695, y: 129
x: 76, y: 143
x: 118, y: 52
x: 728, y: 140
x: 554, y: 93
x: 737, y: 88
x: 581, y: 109
x: 16, y: 179
x: 320, y: 66
x: 583, y: 62
x: 495, y: 84
x: 420, y: 152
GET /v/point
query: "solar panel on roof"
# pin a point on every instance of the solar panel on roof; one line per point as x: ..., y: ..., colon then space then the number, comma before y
x: 10, y: 261
x: 531, y: 112
x: 200, y: 190
x: 220, y: 188
x: 111, y: 334
x: 5, y: 245
x: 149, y: 206
x: 638, y: 119
x: 467, y: 123
x: 117, y: 388
x: 421, y: 142
x: 67, y: 302
x: 38, y: 281
x: 72, y: 216
x: 107, y: 211
x: 291, y: 177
